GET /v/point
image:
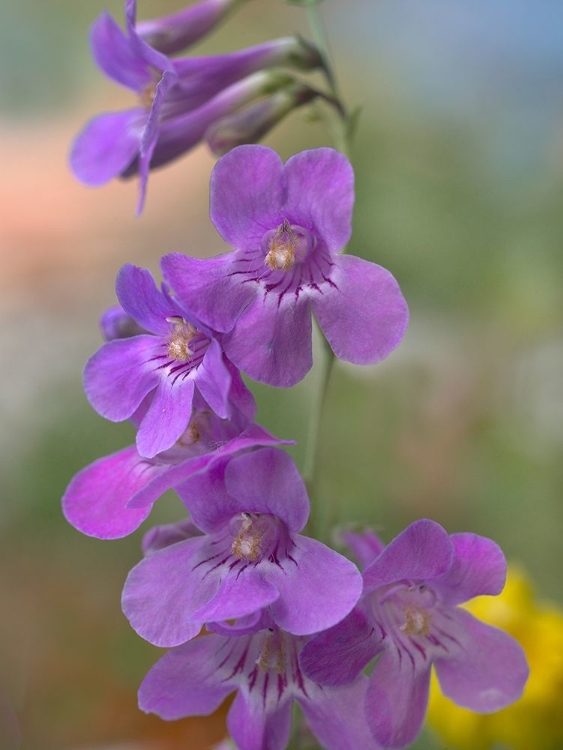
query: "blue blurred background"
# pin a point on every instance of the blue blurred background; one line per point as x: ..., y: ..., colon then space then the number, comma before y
x: 459, y: 161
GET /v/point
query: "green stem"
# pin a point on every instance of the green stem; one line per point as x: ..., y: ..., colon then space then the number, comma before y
x: 339, y: 125
x: 339, y: 131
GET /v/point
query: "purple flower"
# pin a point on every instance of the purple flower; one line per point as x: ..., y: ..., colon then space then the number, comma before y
x: 263, y: 669
x: 111, y: 497
x: 159, y: 371
x: 251, y: 508
x: 170, y: 34
x: 408, y: 617
x: 168, y: 90
x: 288, y: 224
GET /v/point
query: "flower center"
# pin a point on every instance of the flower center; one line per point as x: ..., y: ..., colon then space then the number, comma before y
x: 254, y: 534
x: 272, y: 654
x: 180, y: 336
x: 285, y: 246
x: 417, y: 620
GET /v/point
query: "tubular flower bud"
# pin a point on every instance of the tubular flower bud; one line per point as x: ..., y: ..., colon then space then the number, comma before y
x: 255, y: 121
x: 172, y: 33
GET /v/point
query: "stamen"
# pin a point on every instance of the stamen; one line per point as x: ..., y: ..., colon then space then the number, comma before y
x: 418, y: 621
x: 273, y: 655
x: 247, y: 544
x: 282, y: 247
x: 181, y: 335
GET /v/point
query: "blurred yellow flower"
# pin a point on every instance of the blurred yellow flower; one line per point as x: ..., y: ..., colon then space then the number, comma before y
x: 535, y: 722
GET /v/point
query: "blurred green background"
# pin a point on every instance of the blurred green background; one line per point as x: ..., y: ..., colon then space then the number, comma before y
x: 459, y: 162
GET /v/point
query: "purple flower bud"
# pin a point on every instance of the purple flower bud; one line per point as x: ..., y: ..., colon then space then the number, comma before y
x: 255, y: 121
x: 170, y: 34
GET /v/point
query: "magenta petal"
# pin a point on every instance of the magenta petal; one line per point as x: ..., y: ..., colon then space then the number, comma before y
x: 337, y: 717
x: 247, y: 193
x: 184, y: 682
x: 479, y: 567
x: 320, y: 194
x: 205, y: 287
x: 271, y: 343
x: 488, y: 673
x: 159, y: 595
x: 167, y: 417
x: 116, y: 379
x: 255, y: 727
x: 116, y: 54
x: 214, y: 380
x: 106, y: 146
x: 423, y: 550
x: 95, y: 500
x: 366, y: 317
x: 267, y: 481
x: 142, y: 300
x: 338, y: 655
x: 319, y: 592
x: 238, y: 596
x: 396, y: 699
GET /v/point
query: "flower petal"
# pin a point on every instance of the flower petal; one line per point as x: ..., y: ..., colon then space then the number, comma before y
x: 267, y: 481
x: 247, y: 195
x: 365, y: 545
x: 95, y: 500
x: 168, y: 534
x: 238, y: 596
x: 142, y: 300
x: 116, y: 54
x: 396, y: 699
x: 337, y: 717
x: 423, y: 550
x: 272, y: 343
x: 167, y: 416
x: 320, y: 194
x: 185, y: 681
x: 162, y: 591
x: 116, y: 379
x: 318, y: 592
x: 214, y: 380
x: 205, y: 286
x: 479, y: 567
x: 339, y: 654
x: 106, y: 146
x: 254, y: 727
x: 489, y: 673
x: 366, y: 316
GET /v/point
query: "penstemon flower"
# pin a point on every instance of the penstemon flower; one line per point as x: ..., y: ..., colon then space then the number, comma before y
x: 288, y: 225
x: 251, y: 508
x: 263, y: 668
x: 111, y: 497
x: 160, y: 370
x: 408, y: 617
